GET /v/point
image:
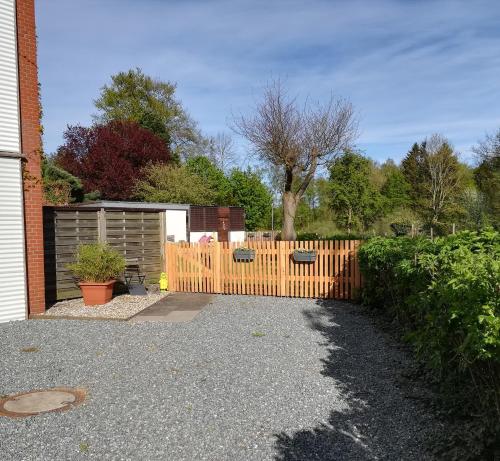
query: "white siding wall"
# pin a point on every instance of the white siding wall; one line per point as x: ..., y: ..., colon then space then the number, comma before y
x: 12, y: 264
x: 12, y: 275
x: 9, y: 111
x: 237, y: 236
x: 175, y: 224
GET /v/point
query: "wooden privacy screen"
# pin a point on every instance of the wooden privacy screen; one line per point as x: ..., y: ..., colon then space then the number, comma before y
x: 211, y: 268
x: 135, y: 234
x: 63, y: 231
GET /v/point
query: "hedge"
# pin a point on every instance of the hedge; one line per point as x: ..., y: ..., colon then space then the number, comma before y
x: 446, y: 296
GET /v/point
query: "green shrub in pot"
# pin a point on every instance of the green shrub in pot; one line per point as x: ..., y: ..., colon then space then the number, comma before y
x: 96, y: 267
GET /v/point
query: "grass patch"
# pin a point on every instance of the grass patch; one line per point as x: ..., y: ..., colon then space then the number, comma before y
x: 84, y: 447
x: 30, y: 349
x: 258, y: 334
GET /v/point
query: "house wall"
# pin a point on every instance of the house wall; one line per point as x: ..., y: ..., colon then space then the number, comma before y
x: 30, y: 147
x: 176, y: 224
x: 21, y: 233
x: 237, y: 236
x: 12, y: 262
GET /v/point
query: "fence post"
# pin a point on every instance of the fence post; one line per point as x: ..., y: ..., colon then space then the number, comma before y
x: 282, y: 268
x: 216, y: 267
x: 171, y: 250
x: 101, y: 226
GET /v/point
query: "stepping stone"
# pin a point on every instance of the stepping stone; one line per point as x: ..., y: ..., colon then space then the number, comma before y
x: 176, y: 307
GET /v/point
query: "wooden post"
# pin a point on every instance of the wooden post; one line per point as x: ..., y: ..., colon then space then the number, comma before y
x: 101, y: 226
x: 216, y: 267
x: 161, y: 217
x: 170, y: 266
x: 281, y: 265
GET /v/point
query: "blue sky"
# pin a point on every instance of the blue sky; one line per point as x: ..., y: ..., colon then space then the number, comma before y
x: 411, y: 68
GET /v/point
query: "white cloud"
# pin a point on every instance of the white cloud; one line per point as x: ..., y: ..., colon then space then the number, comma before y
x: 410, y: 68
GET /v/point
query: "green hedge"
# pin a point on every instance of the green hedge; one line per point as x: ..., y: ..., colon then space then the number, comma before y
x: 308, y: 236
x: 446, y: 295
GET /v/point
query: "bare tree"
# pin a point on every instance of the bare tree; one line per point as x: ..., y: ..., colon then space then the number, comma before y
x: 221, y: 150
x: 444, y: 176
x: 295, y: 140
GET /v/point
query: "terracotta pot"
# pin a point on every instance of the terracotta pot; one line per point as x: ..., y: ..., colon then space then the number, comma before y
x: 97, y: 293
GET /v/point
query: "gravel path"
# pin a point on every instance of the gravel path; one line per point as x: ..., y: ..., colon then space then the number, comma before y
x: 250, y: 378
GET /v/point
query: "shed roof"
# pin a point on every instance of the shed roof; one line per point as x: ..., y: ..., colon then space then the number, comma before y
x: 112, y: 204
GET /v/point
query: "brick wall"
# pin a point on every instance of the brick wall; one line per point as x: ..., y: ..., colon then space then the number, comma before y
x: 30, y: 145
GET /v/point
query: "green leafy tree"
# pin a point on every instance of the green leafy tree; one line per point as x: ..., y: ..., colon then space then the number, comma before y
x: 249, y: 192
x: 355, y: 200
x: 414, y: 172
x: 213, y: 177
x: 59, y: 186
x: 487, y: 174
x: 134, y: 96
x: 436, y: 180
x: 475, y: 206
x: 396, y: 191
x: 173, y: 184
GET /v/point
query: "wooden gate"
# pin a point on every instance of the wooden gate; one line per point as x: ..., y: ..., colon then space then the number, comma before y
x: 211, y: 268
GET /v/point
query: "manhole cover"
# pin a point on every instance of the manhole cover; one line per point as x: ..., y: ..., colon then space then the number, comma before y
x: 42, y: 401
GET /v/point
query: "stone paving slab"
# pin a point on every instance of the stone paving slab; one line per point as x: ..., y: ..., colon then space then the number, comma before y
x: 177, y: 307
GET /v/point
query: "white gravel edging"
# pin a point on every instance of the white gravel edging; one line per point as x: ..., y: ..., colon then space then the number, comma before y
x: 121, y: 307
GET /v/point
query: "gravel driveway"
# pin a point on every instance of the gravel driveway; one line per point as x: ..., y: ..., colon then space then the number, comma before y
x: 250, y: 378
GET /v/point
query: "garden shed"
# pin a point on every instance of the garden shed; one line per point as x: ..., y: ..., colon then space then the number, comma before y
x: 188, y: 223
x: 137, y: 230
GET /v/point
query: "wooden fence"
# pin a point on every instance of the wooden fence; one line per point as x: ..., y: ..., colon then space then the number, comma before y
x: 211, y: 268
x: 135, y: 234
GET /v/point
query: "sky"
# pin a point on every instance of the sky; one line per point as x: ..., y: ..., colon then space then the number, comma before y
x: 410, y: 68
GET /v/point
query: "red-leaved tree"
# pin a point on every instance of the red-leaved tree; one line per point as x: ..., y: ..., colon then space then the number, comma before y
x: 109, y: 158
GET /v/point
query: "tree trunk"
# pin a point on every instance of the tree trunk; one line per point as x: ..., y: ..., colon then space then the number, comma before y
x: 289, y: 210
x: 349, y: 221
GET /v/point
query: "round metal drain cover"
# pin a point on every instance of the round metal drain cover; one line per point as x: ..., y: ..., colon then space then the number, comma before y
x: 41, y: 401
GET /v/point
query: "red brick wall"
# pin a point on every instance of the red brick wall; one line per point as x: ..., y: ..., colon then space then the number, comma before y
x: 30, y: 145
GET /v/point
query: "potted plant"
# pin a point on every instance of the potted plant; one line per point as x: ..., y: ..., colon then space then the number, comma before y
x: 244, y: 254
x: 302, y: 255
x: 96, y: 267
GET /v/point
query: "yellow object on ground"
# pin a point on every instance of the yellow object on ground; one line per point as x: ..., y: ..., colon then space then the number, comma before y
x: 163, y: 282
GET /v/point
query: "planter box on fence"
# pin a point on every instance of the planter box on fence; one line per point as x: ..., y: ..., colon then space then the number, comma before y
x: 244, y: 255
x: 308, y: 256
